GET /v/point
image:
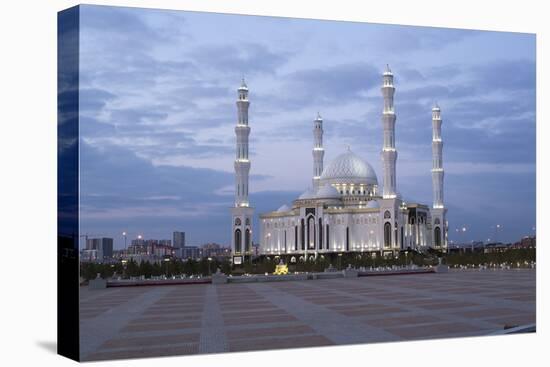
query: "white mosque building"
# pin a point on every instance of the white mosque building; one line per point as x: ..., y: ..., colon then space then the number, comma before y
x: 345, y: 210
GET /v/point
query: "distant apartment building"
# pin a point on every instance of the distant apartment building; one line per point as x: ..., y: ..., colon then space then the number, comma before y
x: 98, y: 248
x: 165, y: 243
x: 88, y: 255
x: 495, y: 247
x: 162, y: 250
x: 137, y: 242
x: 190, y: 252
x: 151, y: 247
x: 215, y: 250
x: 178, y: 239
x: 527, y: 242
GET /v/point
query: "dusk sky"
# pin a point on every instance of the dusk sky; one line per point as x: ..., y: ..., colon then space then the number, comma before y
x: 157, y: 99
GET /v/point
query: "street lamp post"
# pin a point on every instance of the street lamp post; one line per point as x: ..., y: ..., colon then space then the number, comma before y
x: 139, y: 238
x: 125, y: 246
x: 463, y: 230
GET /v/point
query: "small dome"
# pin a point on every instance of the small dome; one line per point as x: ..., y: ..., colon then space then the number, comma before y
x: 373, y: 204
x: 308, y: 194
x: 327, y: 192
x: 348, y: 168
x: 284, y: 208
x: 243, y: 85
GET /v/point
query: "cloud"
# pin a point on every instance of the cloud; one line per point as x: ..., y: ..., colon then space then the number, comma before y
x: 239, y: 60
x: 333, y: 84
x: 157, y: 113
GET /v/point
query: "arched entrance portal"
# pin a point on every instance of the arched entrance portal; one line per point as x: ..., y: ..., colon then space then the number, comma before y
x: 247, y: 240
x: 387, y: 234
x: 311, y: 233
x: 238, y: 241
x: 437, y: 236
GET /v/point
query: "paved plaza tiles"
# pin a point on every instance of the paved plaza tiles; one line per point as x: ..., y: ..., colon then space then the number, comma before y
x: 192, y: 319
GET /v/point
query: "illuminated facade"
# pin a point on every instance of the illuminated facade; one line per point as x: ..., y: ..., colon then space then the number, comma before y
x: 347, y: 211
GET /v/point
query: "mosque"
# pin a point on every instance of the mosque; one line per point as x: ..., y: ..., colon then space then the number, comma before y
x: 346, y: 210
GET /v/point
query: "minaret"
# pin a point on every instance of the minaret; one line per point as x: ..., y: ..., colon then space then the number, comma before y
x: 318, y: 151
x: 241, y: 233
x: 389, y: 154
x: 437, y: 154
x: 242, y: 163
x: 438, y: 212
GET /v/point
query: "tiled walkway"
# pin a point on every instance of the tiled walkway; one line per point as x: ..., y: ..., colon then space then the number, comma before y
x: 191, y: 319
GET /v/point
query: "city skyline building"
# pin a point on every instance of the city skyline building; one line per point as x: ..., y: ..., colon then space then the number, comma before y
x: 99, y: 248
x: 178, y: 239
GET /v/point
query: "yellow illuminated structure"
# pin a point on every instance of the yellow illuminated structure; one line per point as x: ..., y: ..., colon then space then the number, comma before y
x: 281, y: 269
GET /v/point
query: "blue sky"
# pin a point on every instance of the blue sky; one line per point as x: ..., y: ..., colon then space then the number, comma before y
x: 157, y: 102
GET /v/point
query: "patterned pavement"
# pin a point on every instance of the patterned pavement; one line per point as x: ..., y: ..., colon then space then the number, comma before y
x: 192, y: 319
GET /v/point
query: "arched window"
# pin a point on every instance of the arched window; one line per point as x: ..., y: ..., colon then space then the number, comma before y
x: 328, y: 238
x: 437, y: 236
x: 296, y: 238
x: 437, y: 221
x: 347, y: 238
x: 237, y: 221
x: 387, y: 234
x: 238, y: 241
x: 387, y: 214
x: 320, y: 233
x: 303, y: 234
x: 247, y: 240
x: 311, y: 233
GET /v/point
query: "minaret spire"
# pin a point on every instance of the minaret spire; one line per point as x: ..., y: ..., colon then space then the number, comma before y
x: 437, y: 154
x: 242, y: 163
x: 389, y: 154
x: 438, y: 212
x: 241, y: 232
x: 318, y: 151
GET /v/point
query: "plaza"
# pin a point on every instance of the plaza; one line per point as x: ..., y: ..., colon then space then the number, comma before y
x: 136, y: 322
